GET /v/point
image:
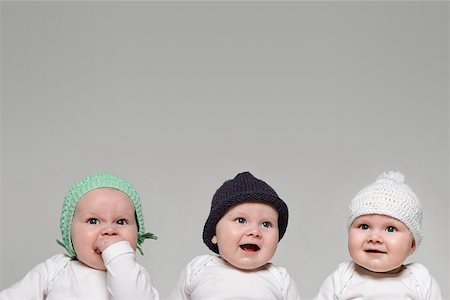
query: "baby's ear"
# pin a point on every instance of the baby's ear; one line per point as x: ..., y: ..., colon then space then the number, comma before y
x: 413, y: 247
x: 214, y: 240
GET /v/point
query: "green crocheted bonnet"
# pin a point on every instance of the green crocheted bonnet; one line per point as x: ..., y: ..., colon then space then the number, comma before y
x: 87, y: 184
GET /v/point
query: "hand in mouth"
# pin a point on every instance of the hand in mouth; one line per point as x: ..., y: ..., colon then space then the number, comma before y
x: 250, y: 247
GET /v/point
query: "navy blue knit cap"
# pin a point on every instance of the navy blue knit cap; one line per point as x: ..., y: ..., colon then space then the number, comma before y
x: 244, y: 187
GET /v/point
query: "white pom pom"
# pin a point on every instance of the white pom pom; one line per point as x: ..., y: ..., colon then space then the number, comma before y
x: 393, y: 175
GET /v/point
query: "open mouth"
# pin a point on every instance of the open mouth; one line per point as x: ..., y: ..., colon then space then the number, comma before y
x: 250, y: 247
x: 374, y: 251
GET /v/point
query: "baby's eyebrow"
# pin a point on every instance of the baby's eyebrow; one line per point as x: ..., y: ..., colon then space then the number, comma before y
x: 83, y: 212
x: 127, y: 214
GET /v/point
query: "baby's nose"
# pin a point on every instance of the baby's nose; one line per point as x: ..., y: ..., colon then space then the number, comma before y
x: 375, y: 237
x: 109, y: 230
x: 254, y: 231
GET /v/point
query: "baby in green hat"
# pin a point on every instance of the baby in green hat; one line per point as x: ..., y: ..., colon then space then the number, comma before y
x: 102, y: 226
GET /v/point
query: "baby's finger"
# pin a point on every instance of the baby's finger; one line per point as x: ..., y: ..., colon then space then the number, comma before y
x: 102, y: 243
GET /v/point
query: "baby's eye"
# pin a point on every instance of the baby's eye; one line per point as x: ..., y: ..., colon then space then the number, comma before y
x: 391, y: 229
x: 267, y: 224
x: 241, y: 220
x: 364, y: 226
x: 121, y: 222
x: 93, y: 221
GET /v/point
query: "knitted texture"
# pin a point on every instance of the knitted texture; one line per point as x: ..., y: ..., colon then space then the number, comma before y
x: 244, y: 187
x: 87, y: 184
x: 389, y: 195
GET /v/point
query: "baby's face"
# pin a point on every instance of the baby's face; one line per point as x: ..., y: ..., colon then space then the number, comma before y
x: 102, y: 217
x: 379, y: 243
x: 247, y: 235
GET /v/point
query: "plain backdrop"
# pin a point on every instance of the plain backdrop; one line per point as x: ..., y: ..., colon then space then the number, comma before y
x: 315, y: 98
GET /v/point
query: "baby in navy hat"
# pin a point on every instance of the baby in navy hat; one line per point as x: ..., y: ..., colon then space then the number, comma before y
x: 245, y: 224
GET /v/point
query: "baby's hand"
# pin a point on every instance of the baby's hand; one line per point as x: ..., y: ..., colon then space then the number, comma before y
x: 104, y: 242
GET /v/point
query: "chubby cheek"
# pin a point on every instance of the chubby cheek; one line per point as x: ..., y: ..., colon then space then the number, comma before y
x: 130, y: 235
x: 225, y: 249
x: 354, y: 243
x: 274, y: 247
x: 82, y: 237
x: 133, y: 243
x: 404, y: 250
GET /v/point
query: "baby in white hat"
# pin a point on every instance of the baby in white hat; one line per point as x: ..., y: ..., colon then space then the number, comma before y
x: 384, y: 228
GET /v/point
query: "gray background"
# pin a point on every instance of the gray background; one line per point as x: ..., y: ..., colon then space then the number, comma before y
x: 317, y: 99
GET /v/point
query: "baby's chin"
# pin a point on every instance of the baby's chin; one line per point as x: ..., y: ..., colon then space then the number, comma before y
x: 385, y: 269
x: 246, y: 266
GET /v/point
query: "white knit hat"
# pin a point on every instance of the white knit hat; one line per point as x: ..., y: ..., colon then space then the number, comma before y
x: 389, y: 195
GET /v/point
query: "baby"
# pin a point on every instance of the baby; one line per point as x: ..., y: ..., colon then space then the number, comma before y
x: 385, y: 227
x: 102, y: 226
x: 246, y: 222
